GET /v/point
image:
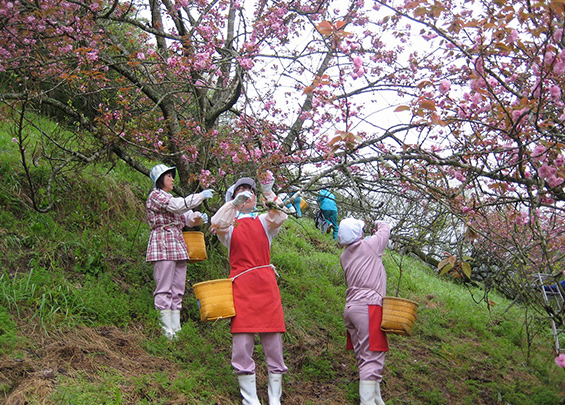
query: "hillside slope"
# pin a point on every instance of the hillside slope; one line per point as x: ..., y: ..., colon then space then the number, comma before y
x: 78, y: 325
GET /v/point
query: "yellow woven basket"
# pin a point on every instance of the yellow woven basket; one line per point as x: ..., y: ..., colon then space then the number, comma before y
x: 215, y: 299
x: 399, y: 315
x: 196, y: 246
x: 303, y: 205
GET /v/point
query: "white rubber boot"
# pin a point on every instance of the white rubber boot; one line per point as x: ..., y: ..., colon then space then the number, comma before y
x: 175, y: 325
x: 275, y: 389
x: 367, y: 392
x: 248, y: 389
x: 378, y: 398
x: 167, y: 323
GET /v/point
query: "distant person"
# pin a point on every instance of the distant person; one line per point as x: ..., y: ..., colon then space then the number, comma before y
x: 365, y: 276
x: 297, y: 202
x: 256, y: 295
x: 320, y: 221
x: 293, y: 206
x: 328, y: 206
x: 167, y: 249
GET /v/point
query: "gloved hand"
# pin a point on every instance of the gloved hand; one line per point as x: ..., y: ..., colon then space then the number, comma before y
x: 242, y: 197
x: 267, y: 181
x: 208, y: 193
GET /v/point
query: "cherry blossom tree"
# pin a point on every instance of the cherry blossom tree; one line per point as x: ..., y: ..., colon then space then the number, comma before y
x: 451, y: 107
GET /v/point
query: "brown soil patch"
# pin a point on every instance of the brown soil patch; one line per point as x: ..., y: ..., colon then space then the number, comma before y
x: 81, y: 350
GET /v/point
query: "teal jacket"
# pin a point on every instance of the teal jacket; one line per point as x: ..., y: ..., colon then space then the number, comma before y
x: 326, y: 201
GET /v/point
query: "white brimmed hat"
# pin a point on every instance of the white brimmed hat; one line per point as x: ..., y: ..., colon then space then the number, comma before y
x: 159, y: 170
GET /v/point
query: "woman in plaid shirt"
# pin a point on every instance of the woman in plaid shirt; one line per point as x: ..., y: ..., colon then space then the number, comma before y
x: 167, y: 249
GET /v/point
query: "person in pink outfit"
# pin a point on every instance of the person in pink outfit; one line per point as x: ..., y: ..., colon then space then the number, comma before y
x: 166, y: 249
x: 365, y: 276
x: 257, y: 300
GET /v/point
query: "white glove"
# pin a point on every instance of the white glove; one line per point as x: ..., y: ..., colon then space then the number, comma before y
x: 267, y: 187
x: 242, y: 197
x: 208, y: 193
x: 267, y: 181
x: 204, y: 217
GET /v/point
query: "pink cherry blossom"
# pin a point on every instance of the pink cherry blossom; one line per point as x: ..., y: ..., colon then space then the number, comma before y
x: 560, y: 360
x: 546, y: 171
x: 554, y: 181
x: 559, y: 68
x: 246, y: 63
x: 539, y: 152
x: 266, y: 177
x: 444, y: 86
x: 555, y: 92
x: 357, y: 62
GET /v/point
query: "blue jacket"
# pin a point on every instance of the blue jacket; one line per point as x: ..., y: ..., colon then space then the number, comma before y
x: 326, y: 201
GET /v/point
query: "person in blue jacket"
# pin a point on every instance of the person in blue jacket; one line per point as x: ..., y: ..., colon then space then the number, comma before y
x: 294, y: 205
x: 328, y: 206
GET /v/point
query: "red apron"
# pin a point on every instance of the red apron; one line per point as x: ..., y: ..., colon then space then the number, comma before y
x: 377, y: 338
x: 256, y: 295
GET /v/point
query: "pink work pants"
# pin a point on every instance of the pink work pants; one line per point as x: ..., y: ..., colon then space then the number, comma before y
x: 170, y: 282
x: 242, y: 353
x: 370, y: 364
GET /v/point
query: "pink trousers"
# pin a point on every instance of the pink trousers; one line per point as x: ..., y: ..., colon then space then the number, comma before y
x: 170, y: 282
x: 242, y: 353
x: 369, y: 363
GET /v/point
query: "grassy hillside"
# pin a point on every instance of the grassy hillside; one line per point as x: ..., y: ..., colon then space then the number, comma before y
x: 77, y: 324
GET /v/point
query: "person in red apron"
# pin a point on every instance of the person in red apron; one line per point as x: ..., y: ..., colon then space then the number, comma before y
x: 256, y: 294
x: 166, y: 249
x: 365, y: 276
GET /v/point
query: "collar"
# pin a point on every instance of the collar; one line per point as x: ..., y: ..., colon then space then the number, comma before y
x: 252, y: 215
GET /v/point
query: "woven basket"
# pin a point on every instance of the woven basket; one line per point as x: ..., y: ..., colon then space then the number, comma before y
x: 196, y: 246
x: 215, y: 299
x: 303, y: 204
x: 399, y: 315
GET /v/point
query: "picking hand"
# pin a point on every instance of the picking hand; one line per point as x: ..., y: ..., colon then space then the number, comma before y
x: 242, y: 197
x: 267, y: 188
x: 208, y: 193
x: 204, y: 217
x: 267, y: 181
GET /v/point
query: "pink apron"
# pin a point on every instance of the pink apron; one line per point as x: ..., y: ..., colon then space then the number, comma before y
x: 377, y: 338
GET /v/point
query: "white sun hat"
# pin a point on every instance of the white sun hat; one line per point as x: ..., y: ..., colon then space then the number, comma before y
x: 350, y: 230
x: 159, y: 170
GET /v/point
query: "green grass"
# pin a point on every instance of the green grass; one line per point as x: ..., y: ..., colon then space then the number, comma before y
x: 76, y: 305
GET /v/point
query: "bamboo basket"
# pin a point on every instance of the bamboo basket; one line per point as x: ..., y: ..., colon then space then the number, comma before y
x: 215, y: 299
x: 399, y: 315
x: 196, y: 246
x: 303, y: 204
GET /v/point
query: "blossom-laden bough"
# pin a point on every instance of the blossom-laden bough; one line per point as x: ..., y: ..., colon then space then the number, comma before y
x: 447, y: 116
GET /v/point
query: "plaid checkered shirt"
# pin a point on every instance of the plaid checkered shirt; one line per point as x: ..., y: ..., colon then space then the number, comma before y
x: 166, y: 241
